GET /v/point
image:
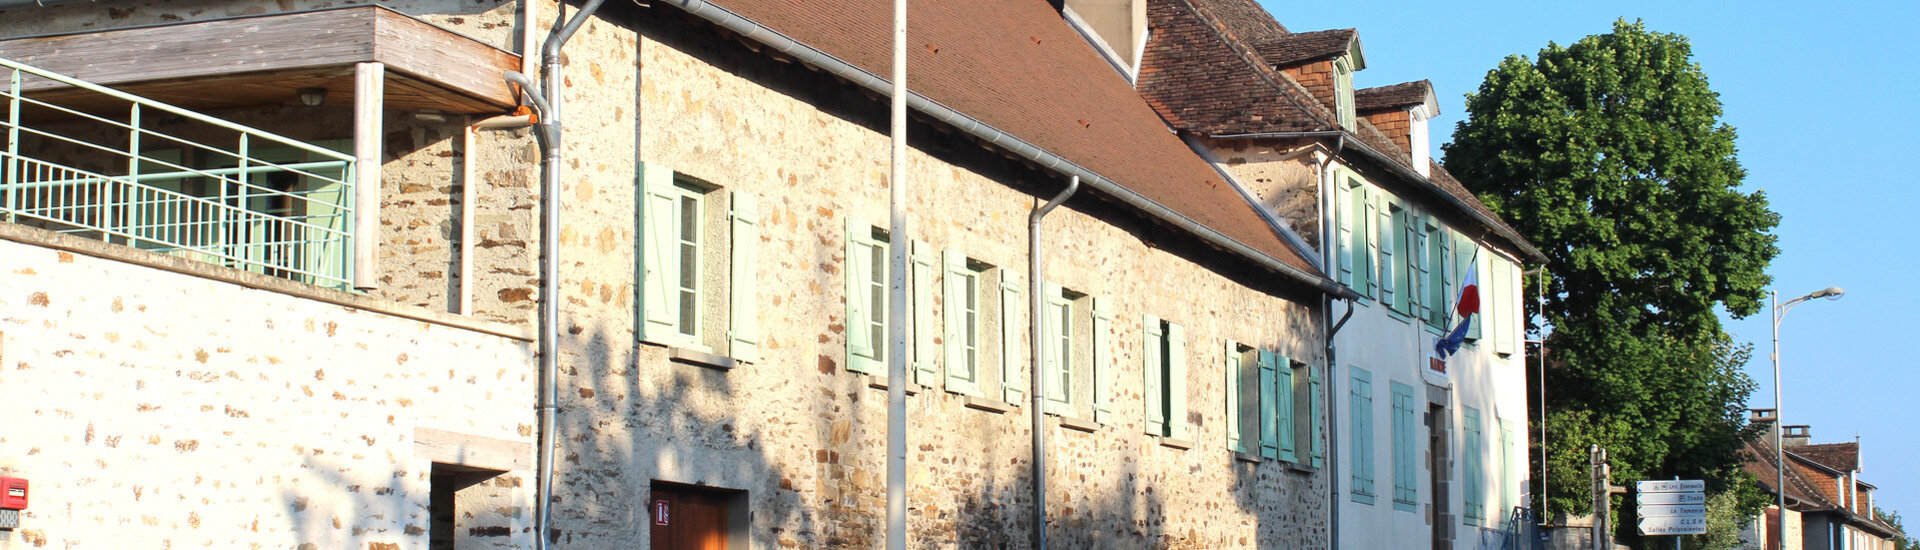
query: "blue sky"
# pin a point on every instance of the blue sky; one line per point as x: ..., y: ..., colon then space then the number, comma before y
x: 1821, y: 95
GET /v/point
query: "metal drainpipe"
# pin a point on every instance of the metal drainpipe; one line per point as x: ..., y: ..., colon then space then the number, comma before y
x: 1333, y: 382
x: 548, y: 122
x: 1036, y: 303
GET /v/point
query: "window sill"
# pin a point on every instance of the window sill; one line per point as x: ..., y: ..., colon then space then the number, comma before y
x: 1362, y: 498
x: 1077, y: 424
x: 1181, y: 444
x: 701, y: 359
x: 1242, y: 456
x: 990, y: 405
x: 1398, y: 316
x: 879, y: 383
x: 1405, y: 506
x: 1300, y: 468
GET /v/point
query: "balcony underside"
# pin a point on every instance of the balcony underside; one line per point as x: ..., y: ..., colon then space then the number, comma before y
x: 265, y: 60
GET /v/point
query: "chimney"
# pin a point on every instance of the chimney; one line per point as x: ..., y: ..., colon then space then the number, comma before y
x: 1796, y: 436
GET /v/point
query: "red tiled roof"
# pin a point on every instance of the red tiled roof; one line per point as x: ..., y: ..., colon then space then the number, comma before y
x: 1302, y: 47
x: 1394, y: 96
x: 1205, y: 83
x: 1017, y: 66
x: 1839, y: 456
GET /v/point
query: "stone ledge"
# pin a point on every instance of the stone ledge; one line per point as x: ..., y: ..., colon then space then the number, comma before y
x: 879, y: 383
x: 108, y: 251
x: 701, y: 359
x: 990, y: 405
x: 1181, y: 444
x: 1077, y: 424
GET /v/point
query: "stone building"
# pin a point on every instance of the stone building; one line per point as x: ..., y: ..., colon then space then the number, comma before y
x: 300, y: 308
x: 1829, y: 506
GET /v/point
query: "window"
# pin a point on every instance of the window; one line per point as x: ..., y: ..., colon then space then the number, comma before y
x: 1068, y: 356
x: 965, y: 311
x: 1396, y: 254
x: 1244, y: 391
x: 1466, y: 255
x: 1166, y: 377
x: 1360, y: 441
x: 698, y: 253
x: 1509, y: 467
x: 1440, y: 292
x: 1311, y: 388
x: 1502, y: 305
x: 1474, y: 492
x: 1343, y: 92
x: 1406, y: 493
x: 866, y: 268
x: 1276, y: 408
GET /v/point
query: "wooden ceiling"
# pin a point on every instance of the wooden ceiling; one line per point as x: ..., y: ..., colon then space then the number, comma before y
x: 265, y: 60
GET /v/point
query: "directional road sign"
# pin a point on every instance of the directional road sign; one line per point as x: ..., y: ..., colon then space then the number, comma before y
x: 1673, y: 525
x: 1653, y: 510
x: 1673, y: 498
x: 1671, y: 486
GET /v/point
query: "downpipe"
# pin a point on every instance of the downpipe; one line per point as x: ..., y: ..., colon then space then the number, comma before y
x: 1036, y: 303
x: 547, y: 106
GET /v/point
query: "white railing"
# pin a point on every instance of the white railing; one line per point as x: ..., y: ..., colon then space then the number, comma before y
x: 267, y: 204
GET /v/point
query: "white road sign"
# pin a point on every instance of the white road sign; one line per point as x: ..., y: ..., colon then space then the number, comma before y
x: 1673, y: 525
x: 1673, y: 498
x: 1652, y: 510
x: 1671, y: 486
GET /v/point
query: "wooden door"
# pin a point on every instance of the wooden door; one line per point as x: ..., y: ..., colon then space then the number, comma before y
x: 685, y: 519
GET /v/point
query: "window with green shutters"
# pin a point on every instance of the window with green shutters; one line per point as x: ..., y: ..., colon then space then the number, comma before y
x: 1433, y: 270
x: 1351, y: 240
x: 686, y: 225
x: 923, y: 268
x: 1397, y: 256
x: 1272, y: 423
x: 1343, y: 105
x: 1360, y: 440
x: 1104, y: 368
x: 1313, y: 400
x: 1278, y: 372
x: 1011, y: 385
x: 1366, y: 226
x: 1165, y: 366
x: 1473, y: 459
x: 866, y: 290
x: 1068, y: 356
x: 1406, y: 492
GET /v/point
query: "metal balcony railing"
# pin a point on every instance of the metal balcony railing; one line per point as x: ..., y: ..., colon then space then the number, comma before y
x: 96, y: 163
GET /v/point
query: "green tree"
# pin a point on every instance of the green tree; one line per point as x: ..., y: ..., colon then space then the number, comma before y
x: 1610, y: 157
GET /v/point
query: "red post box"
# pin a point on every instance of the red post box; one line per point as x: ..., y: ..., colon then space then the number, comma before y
x: 13, y: 493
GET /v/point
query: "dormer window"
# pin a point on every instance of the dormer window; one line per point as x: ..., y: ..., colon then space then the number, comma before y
x: 1343, y: 92
x: 1417, y: 137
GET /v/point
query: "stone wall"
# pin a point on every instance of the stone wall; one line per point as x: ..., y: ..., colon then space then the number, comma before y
x: 153, y: 409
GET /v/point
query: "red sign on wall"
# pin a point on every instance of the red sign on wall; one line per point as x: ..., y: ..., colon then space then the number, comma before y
x: 659, y: 512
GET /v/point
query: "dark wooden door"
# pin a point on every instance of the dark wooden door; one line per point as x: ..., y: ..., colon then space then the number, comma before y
x: 688, y: 519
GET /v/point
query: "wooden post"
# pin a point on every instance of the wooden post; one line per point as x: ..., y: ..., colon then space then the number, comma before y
x: 368, y: 88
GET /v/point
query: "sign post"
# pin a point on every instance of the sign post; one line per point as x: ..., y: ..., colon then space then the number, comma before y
x: 1672, y: 507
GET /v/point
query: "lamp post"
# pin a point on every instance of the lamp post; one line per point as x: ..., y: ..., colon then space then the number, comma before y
x: 1779, y: 452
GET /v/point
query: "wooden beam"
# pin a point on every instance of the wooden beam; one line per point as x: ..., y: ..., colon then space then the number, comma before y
x: 471, y: 450
x: 368, y: 79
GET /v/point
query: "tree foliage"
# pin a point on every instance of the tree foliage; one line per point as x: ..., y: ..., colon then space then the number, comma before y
x: 1610, y: 157
x: 1900, y: 539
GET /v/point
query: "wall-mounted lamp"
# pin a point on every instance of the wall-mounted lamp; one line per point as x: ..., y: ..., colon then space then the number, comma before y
x: 313, y: 97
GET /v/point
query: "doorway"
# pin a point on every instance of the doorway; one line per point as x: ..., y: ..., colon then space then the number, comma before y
x: 691, y: 518
x: 1440, y: 475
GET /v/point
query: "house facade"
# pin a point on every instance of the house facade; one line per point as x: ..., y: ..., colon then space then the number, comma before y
x: 1829, y: 507
x: 287, y: 257
x: 1429, y: 451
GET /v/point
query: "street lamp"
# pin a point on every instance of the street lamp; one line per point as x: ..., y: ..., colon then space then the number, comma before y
x: 1779, y: 452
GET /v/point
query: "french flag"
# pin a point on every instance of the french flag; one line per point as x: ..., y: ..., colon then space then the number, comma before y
x: 1466, y: 305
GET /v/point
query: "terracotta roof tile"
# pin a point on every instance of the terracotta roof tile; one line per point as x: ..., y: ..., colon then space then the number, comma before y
x: 1839, y: 456
x: 1018, y: 66
x: 1395, y: 96
x: 1202, y: 81
x: 1298, y: 48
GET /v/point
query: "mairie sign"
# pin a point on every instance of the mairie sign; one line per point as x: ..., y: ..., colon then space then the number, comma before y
x: 1671, y: 486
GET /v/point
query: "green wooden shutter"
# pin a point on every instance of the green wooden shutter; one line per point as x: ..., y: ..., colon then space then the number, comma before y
x: 1316, y: 417
x: 1422, y: 259
x: 1343, y: 239
x: 744, y: 269
x: 1231, y: 369
x: 1390, y: 264
x: 658, y: 263
x: 1360, y: 440
x: 1103, y: 361
x: 1448, y: 294
x: 925, y: 370
x: 1371, y: 217
x: 1474, y: 492
x: 1284, y: 407
x: 858, y: 269
x: 1153, y: 364
x: 1502, y: 296
x: 1177, y: 382
x: 963, y: 374
x: 1406, y: 492
x: 1269, y: 380
x: 1509, y: 473
x: 1010, y: 388
x: 1465, y: 255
